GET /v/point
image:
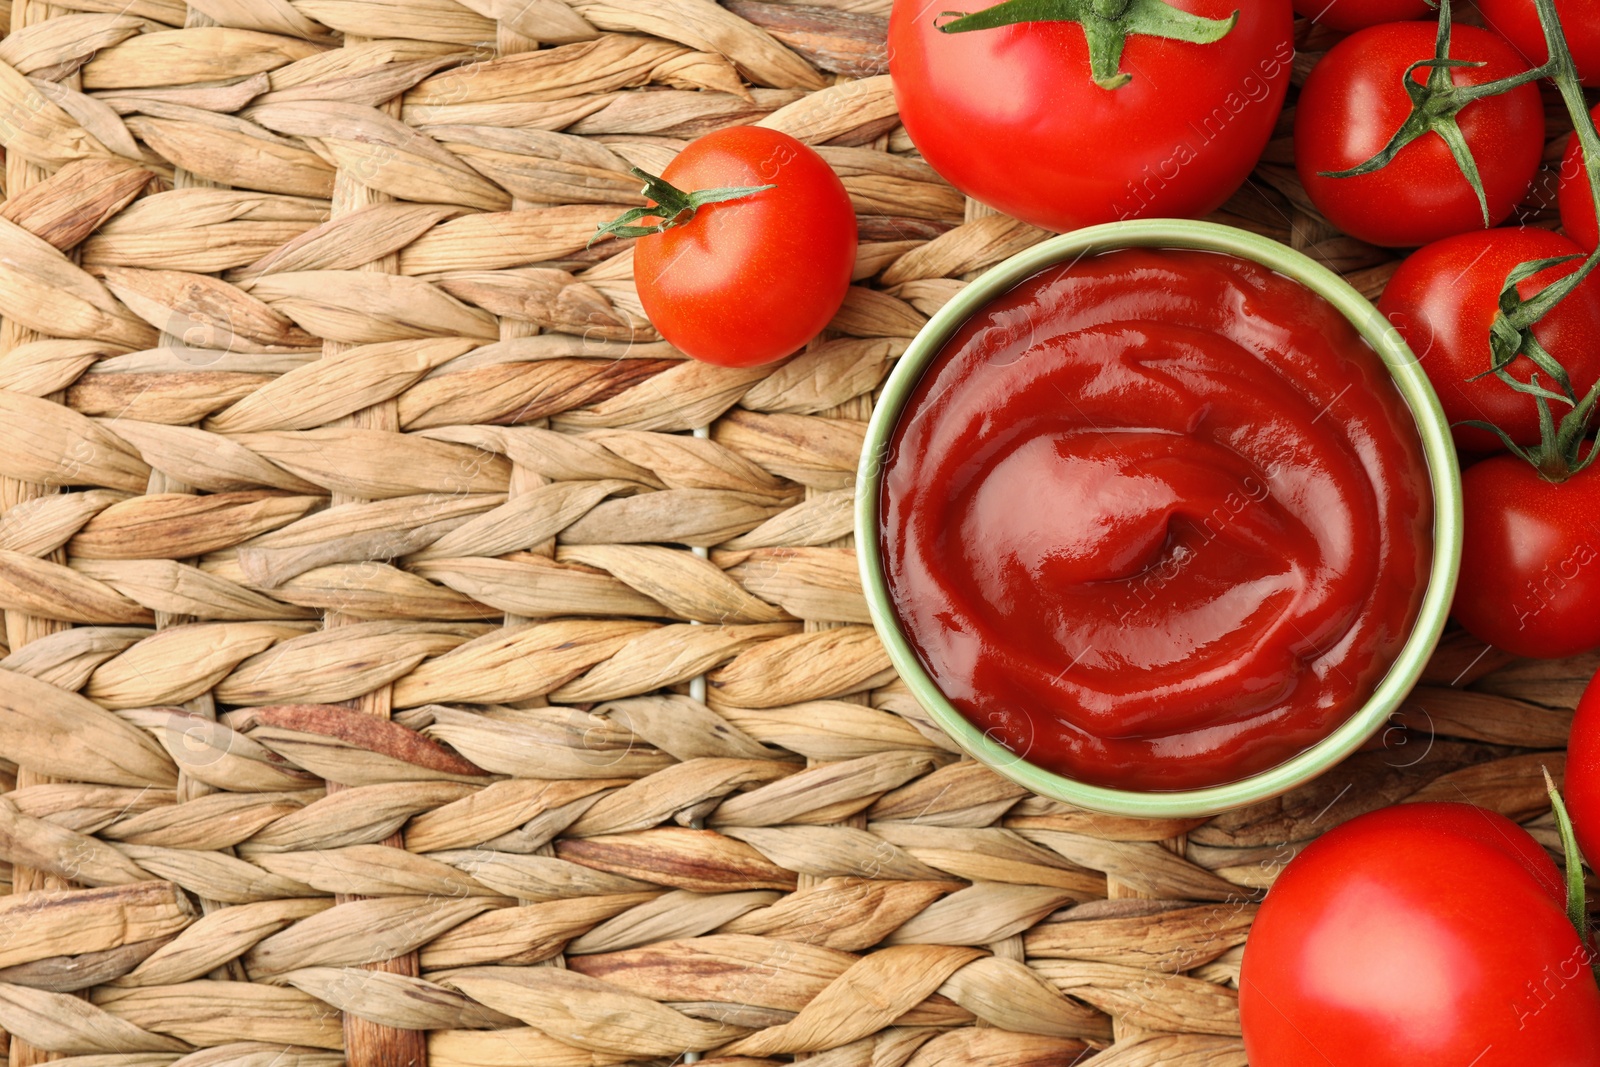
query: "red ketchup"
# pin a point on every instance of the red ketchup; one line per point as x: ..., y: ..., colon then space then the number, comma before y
x: 1157, y: 519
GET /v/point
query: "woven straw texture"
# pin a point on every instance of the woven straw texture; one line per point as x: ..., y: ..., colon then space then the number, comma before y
x: 410, y: 658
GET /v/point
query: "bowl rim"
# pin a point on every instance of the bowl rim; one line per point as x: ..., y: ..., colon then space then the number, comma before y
x: 1438, y: 450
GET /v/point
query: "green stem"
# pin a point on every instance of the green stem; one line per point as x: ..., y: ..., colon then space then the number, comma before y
x: 1107, y: 25
x: 1511, y: 333
x: 1572, y: 432
x: 1560, y: 453
x: 1577, y: 898
x: 673, y: 206
x: 1565, y: 76
x: 1522, y: 314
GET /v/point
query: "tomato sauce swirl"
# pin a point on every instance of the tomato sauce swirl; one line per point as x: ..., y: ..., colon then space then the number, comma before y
x: 1156, y: 519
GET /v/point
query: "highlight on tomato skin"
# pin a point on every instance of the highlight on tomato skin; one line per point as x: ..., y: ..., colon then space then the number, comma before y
x: 750, y: 280
x: 1347, y: 16
x: 1420, y: 934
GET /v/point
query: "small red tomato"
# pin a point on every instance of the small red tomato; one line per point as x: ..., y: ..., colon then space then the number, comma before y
x: 1530, y: 559
x: 1576, y: 196
x: 1518, y: 22
x: 1581, y: 788
x: 751, y: 280
x: 1348, y: 15
x: 1355, y: 100
x: 1421, y: 934
x: 1443, y: 300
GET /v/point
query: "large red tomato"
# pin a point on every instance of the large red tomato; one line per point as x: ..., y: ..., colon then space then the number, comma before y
x: 1443, y: 300
x: 1423, y: 934
x: 1348, y: 15
x: 1355, y: 100
x: 1582, y: 786
x: 1518, y: 22
x: 1576, y: 196
x: 1530, y: 559
x: 751, y: 280
x: 1011, y: 117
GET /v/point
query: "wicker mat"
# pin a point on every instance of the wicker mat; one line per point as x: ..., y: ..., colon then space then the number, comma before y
x: 409, y: 658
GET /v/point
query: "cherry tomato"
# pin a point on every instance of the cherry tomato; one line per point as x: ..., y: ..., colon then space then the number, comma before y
x: 1348, y: 15
x: 1518, y: 22
x: 1530, y: 559
x: 748, y: 281
x: 1576, y: 197
x: 1355, y: 100
x: 1443, y: 300
x: 1421, y: 934
x: 1011, y: 116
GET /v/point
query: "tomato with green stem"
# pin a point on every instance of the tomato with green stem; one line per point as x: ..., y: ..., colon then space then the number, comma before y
x: 1444, y: 300
x: 752, y: 248
x: 1530, y: 538
x: 1067, y: 113
x: 1349, y: 15
x: 1420, y: 934
x: 1399, y: 140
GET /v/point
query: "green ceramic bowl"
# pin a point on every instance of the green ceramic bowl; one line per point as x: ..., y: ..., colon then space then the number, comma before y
x: 1437, y: 447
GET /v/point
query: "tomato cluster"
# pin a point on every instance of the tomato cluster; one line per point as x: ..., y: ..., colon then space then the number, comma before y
x: 1394, y: 141
x: 1389, y: 941
x: 1399, y: 142
x: 1443, y: 933
x: 1433, y: 933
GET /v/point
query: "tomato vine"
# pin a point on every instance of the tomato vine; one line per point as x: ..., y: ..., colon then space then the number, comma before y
x: 1561, y: 452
